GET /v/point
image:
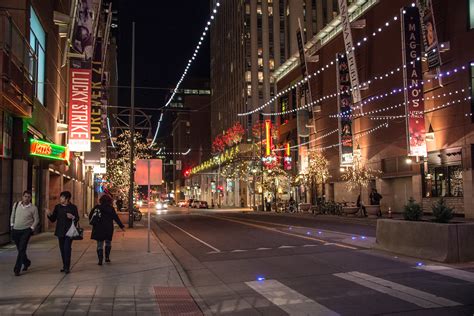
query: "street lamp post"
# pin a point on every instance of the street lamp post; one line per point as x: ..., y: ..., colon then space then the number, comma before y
x: 132, y: 132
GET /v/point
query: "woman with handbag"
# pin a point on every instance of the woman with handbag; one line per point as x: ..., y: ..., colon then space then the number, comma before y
x: 102, y: 219
x: 65, y: 215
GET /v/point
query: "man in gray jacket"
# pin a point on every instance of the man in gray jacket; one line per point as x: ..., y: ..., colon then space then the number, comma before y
x: 23, y: 221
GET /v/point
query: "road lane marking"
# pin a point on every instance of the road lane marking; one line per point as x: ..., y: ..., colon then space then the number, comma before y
x: 263, y: 248
x: 238, y: 250
x: 451, y: 272
x: 191, y: 235
x: 285, y: 247
x: 288, y: 299
x: 278, y: 231
x: 411, y: 295
x: 311, y: 245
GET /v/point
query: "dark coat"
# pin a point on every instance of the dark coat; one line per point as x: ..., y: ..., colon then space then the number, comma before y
x: 104, y: 230
x: 62, y: 222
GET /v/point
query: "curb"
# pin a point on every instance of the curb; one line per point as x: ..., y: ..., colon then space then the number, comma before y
x: 327, y: 218
x: 182, y: 274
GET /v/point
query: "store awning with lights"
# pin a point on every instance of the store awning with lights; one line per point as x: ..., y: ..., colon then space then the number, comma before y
x: 42, y: 149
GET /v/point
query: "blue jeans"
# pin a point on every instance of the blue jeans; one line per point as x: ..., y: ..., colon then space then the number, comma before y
x: 65, y: 246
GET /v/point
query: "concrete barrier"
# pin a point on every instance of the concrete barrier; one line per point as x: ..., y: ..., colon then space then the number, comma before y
x: 372, y: 210
x: 350, y: 210
x: 451, y: 243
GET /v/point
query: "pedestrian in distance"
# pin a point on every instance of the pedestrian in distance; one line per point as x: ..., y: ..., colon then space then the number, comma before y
x: 375, y: 198
x: 64, y: 214
x: 102, y: 218
x: 23, y: 221
x: 361, y: 206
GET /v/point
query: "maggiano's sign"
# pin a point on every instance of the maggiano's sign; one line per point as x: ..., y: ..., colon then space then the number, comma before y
x: 47, y: 150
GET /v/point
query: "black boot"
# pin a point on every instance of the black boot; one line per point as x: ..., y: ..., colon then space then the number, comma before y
x: 107, y: 253
x: 100, y: 255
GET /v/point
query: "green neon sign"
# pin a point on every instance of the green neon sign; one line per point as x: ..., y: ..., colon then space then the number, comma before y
x: 39, y: 148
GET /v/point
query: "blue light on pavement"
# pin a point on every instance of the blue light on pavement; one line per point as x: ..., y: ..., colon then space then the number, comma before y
x: 308, y: 233
x: 419, y: 264
x: 260, y: 278
x: 319, y: 233
x: 354, y: 238
x: 363, y: 237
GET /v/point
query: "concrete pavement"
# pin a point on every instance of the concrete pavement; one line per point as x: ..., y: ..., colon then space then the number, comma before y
x: 134, y: 283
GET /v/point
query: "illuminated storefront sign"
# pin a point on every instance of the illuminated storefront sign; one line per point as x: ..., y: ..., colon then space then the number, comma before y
x: 47, y: 150
x: 287, y: 159
x: 268, y: 137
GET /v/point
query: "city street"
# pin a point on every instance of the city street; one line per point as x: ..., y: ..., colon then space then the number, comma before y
x: 256, y: 263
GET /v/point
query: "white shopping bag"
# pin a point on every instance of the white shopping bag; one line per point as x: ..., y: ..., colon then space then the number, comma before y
x: 72, y: 232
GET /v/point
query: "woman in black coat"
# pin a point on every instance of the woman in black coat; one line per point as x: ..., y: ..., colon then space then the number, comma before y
x: 64, y: 214
x: 101, y: 218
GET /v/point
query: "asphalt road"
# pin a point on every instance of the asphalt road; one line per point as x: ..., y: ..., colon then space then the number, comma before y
x: 254, y: 264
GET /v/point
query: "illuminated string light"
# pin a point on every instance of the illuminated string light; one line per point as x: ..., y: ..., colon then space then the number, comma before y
x: 110, y: 133
x: 161, y: 152
x: 186, y: 69
x: 317, y: 72
x: 311, y: 141
x: 333, y: 95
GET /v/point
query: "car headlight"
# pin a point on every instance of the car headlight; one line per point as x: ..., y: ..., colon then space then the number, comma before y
x: 159, y: 206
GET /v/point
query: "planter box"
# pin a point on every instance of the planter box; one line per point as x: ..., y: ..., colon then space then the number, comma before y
x: 372, y: 210
x: 350, y: 210
x: 451, y: 243
x: 123, y: 217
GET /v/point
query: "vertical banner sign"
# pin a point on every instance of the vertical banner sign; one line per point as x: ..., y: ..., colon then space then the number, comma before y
x: 268, y: 138
x: 82, y: 46
x: 344, y: 99
x: 79, y: 109
x: 287, y: 159
x: 302, y: 116
x: 430, y: 37
x: 92, y: 158
x: 414, y: 104
x: 348, y: 45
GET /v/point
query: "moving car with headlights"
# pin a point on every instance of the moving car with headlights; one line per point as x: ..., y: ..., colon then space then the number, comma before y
x: 160, y: 206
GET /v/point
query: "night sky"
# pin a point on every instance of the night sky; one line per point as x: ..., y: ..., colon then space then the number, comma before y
x: 167, y: 33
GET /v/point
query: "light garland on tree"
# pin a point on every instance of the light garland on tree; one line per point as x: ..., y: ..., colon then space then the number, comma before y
x: 359, y: 175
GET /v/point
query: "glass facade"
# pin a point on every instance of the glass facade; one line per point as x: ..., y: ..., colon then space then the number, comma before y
x: 38, y: 44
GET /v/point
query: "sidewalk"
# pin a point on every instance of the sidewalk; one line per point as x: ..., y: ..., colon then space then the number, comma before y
x: 134, y: 283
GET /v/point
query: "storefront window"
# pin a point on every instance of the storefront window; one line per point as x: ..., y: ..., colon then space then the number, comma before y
x: 441, y: 181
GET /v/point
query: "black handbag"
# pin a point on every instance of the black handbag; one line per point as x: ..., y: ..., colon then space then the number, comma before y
x: 80, y: 230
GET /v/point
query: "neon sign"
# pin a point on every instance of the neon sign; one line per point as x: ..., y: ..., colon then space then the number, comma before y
x: 47, y: 150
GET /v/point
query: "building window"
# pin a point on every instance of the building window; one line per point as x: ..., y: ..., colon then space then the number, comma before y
x: 259, y: 9
x: 271, y: 63
x: 471, y: 14
x: 38, y: 44
x: 471, y: 68
x: 440, y: 181
x: 248, y: 76
x: 249, y: 90
x: 260, y: 76
x: 260, y: 62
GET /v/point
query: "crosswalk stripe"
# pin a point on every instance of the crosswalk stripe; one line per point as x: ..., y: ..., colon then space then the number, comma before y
x: 451, y: 272
x: 288, y: 299
x: 417, y: 297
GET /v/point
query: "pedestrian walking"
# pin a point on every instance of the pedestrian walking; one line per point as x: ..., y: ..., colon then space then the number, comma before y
x: 375, y: 198
x: 101, y: 218
x: 64, y: 214
x: 23, y: 221
x: 361, y: 206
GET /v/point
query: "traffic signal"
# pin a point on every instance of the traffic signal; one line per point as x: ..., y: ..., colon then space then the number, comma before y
x: 187, y: 173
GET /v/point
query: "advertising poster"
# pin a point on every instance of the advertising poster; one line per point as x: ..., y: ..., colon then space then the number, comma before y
x: 430, y: 37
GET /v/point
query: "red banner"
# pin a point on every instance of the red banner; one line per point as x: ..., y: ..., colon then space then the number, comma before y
x: 413, y: 75
x: 80, y: 109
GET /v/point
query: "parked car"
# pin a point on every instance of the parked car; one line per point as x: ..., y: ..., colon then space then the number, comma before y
x: 203, y: 204
x: 195, y: 204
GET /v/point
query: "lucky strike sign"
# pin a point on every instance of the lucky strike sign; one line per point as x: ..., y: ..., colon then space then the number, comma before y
x: 80, y: 109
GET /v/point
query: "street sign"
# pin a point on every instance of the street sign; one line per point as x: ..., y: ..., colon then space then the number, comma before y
x: 156, y: 172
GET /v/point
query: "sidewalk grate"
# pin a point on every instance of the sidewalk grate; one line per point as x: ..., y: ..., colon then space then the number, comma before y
x: 176, y: 301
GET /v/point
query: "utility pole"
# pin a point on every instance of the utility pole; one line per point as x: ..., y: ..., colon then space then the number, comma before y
x: 132, y: 132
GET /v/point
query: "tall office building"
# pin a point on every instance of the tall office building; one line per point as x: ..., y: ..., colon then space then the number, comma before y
x: 249, y: 40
